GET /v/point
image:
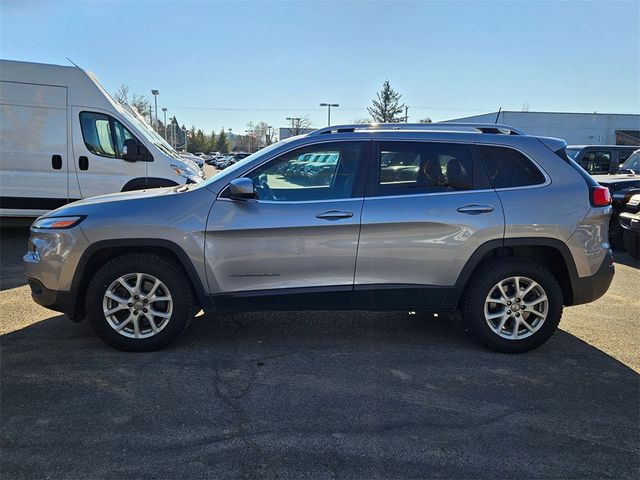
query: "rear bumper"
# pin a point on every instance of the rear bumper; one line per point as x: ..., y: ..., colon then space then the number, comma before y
x: 630, y: 221
x: 588, y: 289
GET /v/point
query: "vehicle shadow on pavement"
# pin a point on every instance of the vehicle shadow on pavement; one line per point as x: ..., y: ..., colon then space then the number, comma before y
x: 313, y: 394
x: 13, y: 246
x: 625, y: 258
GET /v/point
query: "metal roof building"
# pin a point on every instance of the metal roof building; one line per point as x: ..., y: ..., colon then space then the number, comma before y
x: 575, y: 128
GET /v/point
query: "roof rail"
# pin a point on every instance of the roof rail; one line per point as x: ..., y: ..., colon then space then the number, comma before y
x: 446, y: 126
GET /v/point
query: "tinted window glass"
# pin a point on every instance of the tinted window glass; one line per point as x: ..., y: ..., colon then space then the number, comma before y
x: 96, y: 131
x: 422, y: 167
x: 99, y: 132
x: 596, y: 161
x: 507, y: 167
x: 319, y: 172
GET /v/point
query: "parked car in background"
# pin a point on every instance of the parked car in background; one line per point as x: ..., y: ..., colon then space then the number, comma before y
x: 630, y: 222
x: 495, y: 223
x: 63, y: 138
x: 193, y: 158
x: 600, y: 159
x: 631, y: 165
x: 621, y: 187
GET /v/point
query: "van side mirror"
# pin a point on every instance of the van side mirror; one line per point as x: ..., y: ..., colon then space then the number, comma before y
x: 241, y: 188
x: 135, y: 151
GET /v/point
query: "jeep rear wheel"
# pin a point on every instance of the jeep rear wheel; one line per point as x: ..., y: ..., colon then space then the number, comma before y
x: 512, y: 305
x: 139, y: 302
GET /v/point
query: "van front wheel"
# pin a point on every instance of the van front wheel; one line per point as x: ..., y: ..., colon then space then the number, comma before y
x: 512, y: 305
x: 139, y: 302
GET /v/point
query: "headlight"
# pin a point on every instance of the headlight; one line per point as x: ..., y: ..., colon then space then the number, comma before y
x: 57, y: 222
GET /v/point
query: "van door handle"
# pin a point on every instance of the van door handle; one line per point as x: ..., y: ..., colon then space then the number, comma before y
x: 334, y: 215
x: 56, y: 162
x: 476, y: 209
x: 83, y: 163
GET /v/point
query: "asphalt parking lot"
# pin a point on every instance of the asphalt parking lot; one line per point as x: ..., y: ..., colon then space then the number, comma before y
x: 319, y: 395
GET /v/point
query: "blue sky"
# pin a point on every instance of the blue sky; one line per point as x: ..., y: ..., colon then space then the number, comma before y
x: 228, y: 63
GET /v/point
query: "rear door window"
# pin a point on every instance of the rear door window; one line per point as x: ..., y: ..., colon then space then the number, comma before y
x: 509, y: 168
x: 405, y: 168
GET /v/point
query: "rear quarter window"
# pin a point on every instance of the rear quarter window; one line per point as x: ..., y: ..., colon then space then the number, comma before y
x: 509, y: 168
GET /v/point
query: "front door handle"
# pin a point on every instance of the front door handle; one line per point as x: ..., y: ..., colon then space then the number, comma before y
x: 83, y: 163
x: 334, y: 215
x: 476, y: 209
x: 56, y: 162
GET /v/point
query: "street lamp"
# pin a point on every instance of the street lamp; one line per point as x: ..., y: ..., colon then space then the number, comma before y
x: 329, y: 105
x: 155, y: 94
x: 164, y: 110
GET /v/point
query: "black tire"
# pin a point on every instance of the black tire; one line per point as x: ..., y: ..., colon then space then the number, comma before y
x: 616, y: 233
x: 165, y: 270
x: 481, y: 284
x: 631, y: 242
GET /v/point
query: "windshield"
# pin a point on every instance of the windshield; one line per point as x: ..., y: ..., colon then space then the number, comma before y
x: 150, y: 134
x: 632, y: 163
x: 572, y: 152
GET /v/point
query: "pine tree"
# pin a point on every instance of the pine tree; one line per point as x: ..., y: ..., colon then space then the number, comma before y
x: 387, y: 108
x: 212, y: 142
x: 222, y: 145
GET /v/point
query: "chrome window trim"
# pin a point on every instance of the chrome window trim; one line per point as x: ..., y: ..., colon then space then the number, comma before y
x: 285, y: 202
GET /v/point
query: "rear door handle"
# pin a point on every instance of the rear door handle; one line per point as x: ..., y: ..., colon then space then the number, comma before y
x: 334, y: 215
x: 476, y: 209
x: 83, y: 163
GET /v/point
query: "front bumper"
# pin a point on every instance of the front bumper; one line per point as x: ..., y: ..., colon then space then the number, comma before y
x: 630, y: 221
x: 588, y: 289
x: 52, y: 299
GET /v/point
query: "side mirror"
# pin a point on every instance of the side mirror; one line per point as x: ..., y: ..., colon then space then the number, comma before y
x: 241, y: 188
x: 134, y: 151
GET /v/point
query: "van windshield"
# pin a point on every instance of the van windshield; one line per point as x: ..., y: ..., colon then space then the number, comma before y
x: 150, y: 134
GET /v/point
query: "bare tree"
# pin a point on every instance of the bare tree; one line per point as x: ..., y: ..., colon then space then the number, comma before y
x: 141, y: 103
x: 425, y: 120
x: 362, y: 121
x: 299, y: 125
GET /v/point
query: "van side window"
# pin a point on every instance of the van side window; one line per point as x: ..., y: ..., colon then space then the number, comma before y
x: 103, y: 135
x: 507, y: 167
x: 423, y: 167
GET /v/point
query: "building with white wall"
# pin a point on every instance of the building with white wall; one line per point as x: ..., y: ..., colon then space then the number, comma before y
x: 574, y: 128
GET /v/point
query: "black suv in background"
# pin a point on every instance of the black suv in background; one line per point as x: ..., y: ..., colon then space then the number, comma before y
x: 600, y: 159
x: 622, y: 185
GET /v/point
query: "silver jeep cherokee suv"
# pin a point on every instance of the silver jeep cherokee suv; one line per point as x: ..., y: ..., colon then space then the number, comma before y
x: 483, y: 219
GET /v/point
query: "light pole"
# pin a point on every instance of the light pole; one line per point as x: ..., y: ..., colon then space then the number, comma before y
x: 155, y: 94
x: 184, y: 130
x: 329, y: 105
x: 250, y: 135
x: 164, y: 110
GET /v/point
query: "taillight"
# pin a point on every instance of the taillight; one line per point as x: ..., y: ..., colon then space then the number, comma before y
x: 600, y: 196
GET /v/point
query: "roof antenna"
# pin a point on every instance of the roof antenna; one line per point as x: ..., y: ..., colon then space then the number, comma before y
x: 74, y: 63
x: 497, y: 116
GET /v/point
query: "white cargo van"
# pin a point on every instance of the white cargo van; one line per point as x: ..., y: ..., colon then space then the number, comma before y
x: 62, y: 138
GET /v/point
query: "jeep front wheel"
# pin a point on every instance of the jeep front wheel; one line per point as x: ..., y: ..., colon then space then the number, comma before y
x: 139, y: 302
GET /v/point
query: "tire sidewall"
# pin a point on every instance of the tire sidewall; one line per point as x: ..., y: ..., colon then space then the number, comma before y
x: 167, y: 273
x: 487, y: 279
